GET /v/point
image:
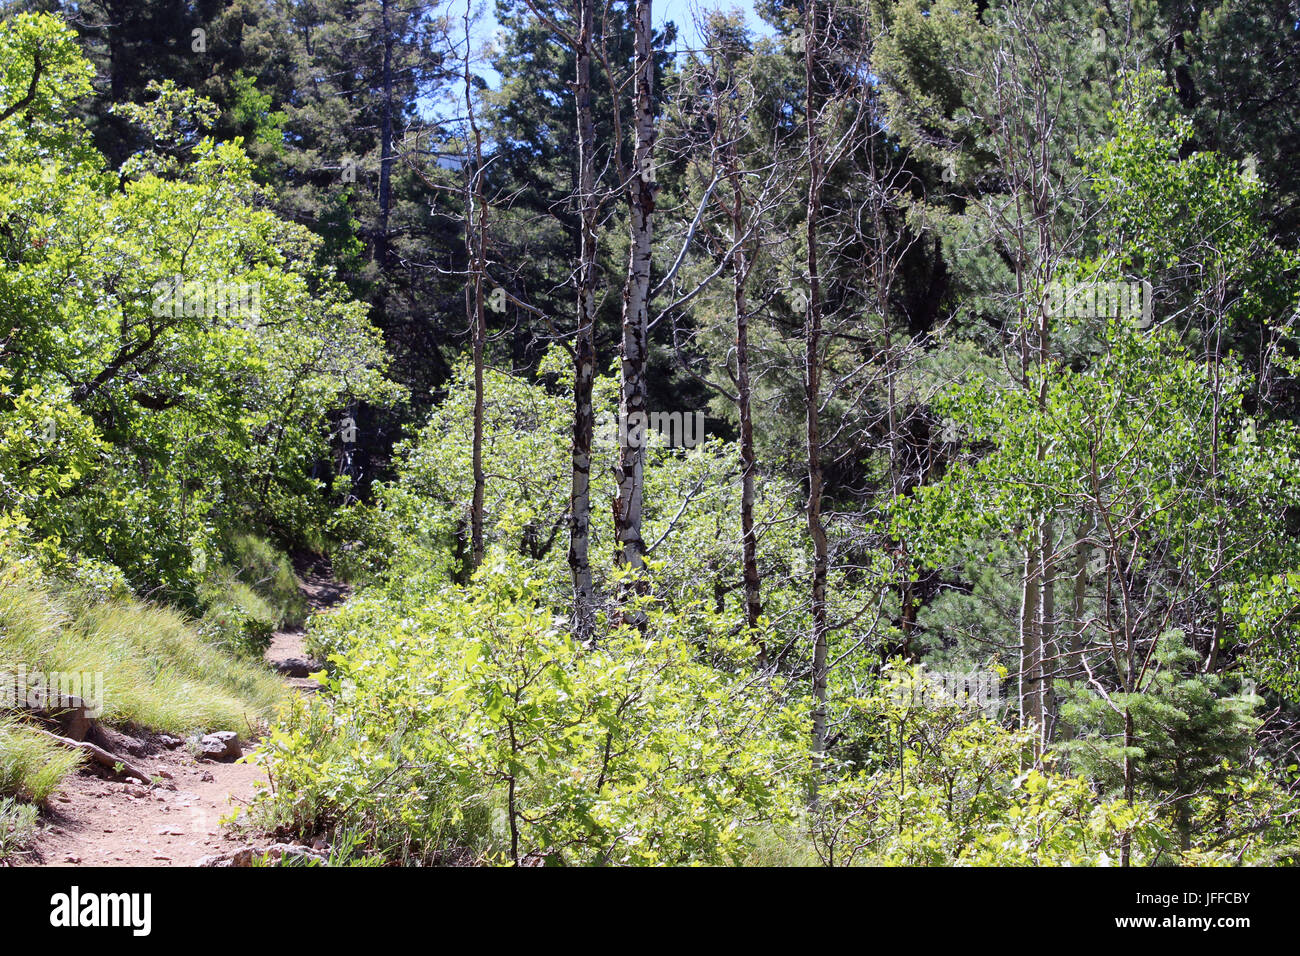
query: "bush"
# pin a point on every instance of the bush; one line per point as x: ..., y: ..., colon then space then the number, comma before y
x: 945, y: 788
x: 247, y: 599
x: 476, y: 725
x: 236, y: 617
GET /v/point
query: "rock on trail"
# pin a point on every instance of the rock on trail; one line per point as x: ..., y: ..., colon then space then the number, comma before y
x: 174, y: 818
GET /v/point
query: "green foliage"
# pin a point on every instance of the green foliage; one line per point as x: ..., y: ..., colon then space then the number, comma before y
x: 65, y: 76
x: 476, y: 723
x: 1192, y: 747
x: 1126, y: 496
x: 413, y: 537
x: 236, y: 617
x: 249, y: 596
x: 268, y: 571
x: 941, y: 789
x: 252, y: 108
x: 173, y: 348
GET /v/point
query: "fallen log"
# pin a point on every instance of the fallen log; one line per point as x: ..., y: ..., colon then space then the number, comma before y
x: 99, y: 755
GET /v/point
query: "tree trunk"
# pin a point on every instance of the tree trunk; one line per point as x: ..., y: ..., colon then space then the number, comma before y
x: 1047, y: 661
x: 584, y: 352
x: 812, y: 399
x: 749, y: 539
x: 386, y: 142
x: 1071, y: 667
x: 630, y: 473
x: 475, y: 240
x: 1130, y: 785
x: 1082, y: 559
x: 1030, y: 706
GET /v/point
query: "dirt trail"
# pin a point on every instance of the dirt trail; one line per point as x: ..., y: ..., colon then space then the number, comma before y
x: 94, y: 821
x: 287, y: 653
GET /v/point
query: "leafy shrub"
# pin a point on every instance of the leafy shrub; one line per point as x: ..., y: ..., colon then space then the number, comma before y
x: 476, y: 724
x: 237, y: 618
x: 943, y: 789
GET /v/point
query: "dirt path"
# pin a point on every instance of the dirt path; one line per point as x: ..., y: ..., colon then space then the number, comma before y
x: 287, y: 653
x: 94, y: 821
x: 97, y: 822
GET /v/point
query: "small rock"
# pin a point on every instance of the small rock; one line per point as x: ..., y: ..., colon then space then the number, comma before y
x: 240, y: 858
x: 207, y: 777
x: 297, y: 667
x: 291, y: 851
x: 223, y: 745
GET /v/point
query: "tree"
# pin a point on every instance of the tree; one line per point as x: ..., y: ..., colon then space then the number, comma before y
x: 194, y: 342
x: 636, y: 301
x: 584, y: 358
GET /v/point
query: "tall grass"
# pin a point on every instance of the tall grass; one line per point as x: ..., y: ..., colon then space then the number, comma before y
x: 17, y: 825
x: 31, y: 766
x: 268, y: 572
x: 158, y: 673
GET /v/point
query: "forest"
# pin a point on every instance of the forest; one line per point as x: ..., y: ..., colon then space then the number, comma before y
x: 573, y: 433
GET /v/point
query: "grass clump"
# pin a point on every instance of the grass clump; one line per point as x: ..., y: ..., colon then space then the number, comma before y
x: 31, y: 766
x: 268, y: 573
x: 17, y: 826
x: 158, y: 671
x: 249, y: 596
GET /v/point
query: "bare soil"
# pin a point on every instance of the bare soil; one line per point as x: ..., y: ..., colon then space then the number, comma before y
x: 94, y: 820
